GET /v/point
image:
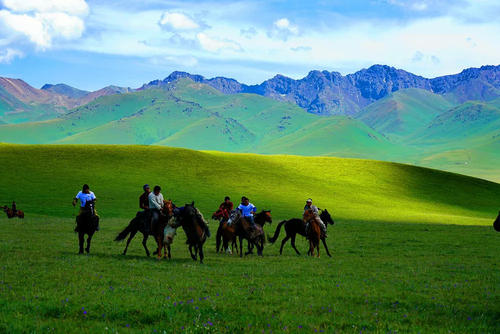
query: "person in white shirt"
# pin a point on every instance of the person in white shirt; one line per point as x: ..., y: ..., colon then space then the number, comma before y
x: 247, y: 210
x: 155, y: 206
x: 84, y: 196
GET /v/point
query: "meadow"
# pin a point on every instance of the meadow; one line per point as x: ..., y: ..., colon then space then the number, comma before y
x: 413, y: 248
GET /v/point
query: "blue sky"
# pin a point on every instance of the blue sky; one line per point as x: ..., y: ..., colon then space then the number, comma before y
x: 90, y: 44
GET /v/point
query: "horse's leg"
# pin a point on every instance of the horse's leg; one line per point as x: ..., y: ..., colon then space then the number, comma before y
x: 80, y: 242
x: 200, y: 246
x: 241, y: 246
x: 193, y: 256
x: 159, y: 245
x: 260, y: 246
x: 234, y: 246
x: 218, y: 238
x: 144, y: 243
x: 132, y: 235
x: 89, y: 239
x: 293, y: 244
x: 317, y: 247
x: 168, y: 247
x: 283, y: 242
x: 326, y: 247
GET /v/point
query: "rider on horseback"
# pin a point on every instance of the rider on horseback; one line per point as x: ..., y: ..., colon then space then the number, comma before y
x: 155, y: 205
x: 226, y: 207
x: 144, y: 205
x: 247, y: 210
x: 14, y: 208
x: 314, y: 208
x: 85, y: 196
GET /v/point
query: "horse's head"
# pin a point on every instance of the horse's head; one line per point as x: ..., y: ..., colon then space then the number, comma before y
x: 5, y: 208
x: 267, y: 216
x: 308, y: 215
x: 218, y: 214
x: 325, y: 217
x: 168, y: 207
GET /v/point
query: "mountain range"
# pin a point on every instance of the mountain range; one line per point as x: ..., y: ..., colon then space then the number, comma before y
x: 450, y: 122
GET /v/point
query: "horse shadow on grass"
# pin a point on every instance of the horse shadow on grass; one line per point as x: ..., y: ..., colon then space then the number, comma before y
x: 121, y: 257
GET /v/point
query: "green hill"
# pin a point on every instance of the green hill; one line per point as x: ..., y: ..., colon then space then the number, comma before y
x: 44, y: 179
x: 404, y: 112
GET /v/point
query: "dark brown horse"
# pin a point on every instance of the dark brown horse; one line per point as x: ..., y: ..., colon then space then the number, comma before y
x: 496, y: 224
x: 192, y: 223
x: 254, y: 236
x: 137, y: 225
x: 296, y: 226
x: 86, y: 223
x: 225, y: 233
x: 11, y: 214
x: 313, y: 232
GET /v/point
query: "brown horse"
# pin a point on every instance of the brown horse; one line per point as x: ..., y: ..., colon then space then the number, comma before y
x: 496, y: 224
x: 11, y: 214
x: 192, y: 223
x: 314, y: 231
x: 162, y: 240
x: 137, y: 225
x: 255, y: 236
x: 296, y: 226
x: 225, y: 233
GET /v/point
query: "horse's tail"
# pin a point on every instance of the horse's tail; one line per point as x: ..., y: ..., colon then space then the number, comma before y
x: 276, y: 233
x: 123, y: 234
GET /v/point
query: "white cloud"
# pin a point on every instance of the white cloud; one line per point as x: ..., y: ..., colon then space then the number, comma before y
x: 283, y: 29
x: 213, y: 44
x: 174, y: 21
x: 9, y: 55
x: 41, y: 22
x: 72, y: 7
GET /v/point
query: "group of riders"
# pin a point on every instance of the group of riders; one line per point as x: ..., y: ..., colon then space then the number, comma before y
x: 152, y: 203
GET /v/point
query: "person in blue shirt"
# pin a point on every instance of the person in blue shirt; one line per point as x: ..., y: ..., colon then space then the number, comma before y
x: 84, y: 196
x: 247, y: 210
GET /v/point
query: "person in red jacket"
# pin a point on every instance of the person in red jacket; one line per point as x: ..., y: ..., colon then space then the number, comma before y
x: 226, y: 207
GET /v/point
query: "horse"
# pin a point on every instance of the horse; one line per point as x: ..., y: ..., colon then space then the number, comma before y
x: 296, y: 225
x: 86, y: 223
x: 313, y: 232
x: 11, y: 214
x: 496, y: 224
x: 137, y: 225
x: 254, y: 237
x: 225, y: 233
x: 191, y: 221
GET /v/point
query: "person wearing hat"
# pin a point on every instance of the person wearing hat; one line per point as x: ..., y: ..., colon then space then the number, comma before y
x: 247, y: 210
x: 315, y: 210
x: 155, y: 205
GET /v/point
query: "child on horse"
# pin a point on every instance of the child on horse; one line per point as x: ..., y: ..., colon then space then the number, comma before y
x: 314, y: 208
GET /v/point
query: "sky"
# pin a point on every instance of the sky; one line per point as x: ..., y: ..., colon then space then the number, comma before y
x: 90, y: 44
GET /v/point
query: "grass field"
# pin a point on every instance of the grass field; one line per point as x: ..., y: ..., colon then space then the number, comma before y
x: 406, y: 254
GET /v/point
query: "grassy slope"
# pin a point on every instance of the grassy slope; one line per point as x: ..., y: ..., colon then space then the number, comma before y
x: 352, y: 189
x: 382, y: 277
x: 404, y: 112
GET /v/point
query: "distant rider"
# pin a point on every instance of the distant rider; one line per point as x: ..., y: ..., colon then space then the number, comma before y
x: 247, y: 210
x: 144, y: 205
x: 84, y: 196
x: 14, y: 208
x: 155, y: 205
x: 314, y: 208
